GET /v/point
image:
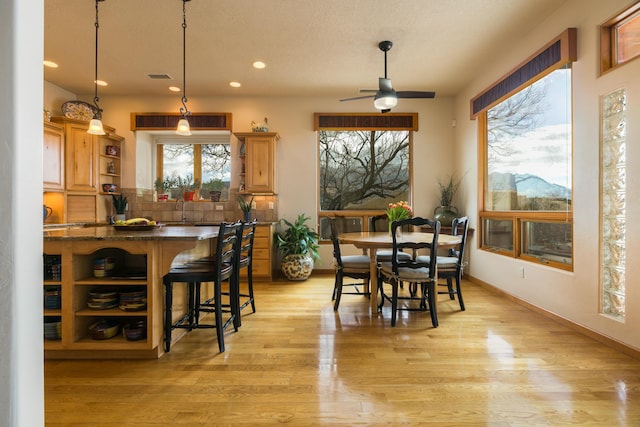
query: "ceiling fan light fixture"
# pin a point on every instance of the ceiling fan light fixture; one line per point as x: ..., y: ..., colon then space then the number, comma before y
x: 385, y: 100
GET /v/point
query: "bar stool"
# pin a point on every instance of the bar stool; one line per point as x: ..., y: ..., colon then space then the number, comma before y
x: 219, y: 268
x: 245, y: 260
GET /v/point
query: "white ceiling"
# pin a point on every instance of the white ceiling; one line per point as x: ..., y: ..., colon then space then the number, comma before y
x: 311, y: 47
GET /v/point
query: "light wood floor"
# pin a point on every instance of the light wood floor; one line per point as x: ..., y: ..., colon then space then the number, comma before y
x: 296, y: 361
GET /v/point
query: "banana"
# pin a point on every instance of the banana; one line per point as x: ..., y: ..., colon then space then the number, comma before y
x: 137, y: 221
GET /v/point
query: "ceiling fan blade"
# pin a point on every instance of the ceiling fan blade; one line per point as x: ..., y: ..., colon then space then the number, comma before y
x: 358, y: 97
x: 368, y: 90
x: 415, y: 94
x: 385, y: 84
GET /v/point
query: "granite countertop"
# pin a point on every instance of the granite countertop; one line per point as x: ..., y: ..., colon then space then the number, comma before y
x: 110, y: 233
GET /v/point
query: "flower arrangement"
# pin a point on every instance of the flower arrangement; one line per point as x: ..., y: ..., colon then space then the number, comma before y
x: 398, y: 211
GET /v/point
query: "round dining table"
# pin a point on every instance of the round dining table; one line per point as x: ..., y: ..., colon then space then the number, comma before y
x: 372, y: 241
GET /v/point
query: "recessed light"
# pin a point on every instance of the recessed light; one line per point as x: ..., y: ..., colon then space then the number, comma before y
x: 259, y: 65
x: 174, y: 89
x: 50, y: 64
x: 235, y: 84
x: 100, y: 82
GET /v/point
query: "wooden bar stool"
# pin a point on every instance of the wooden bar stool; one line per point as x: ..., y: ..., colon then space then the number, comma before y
x: 216, y: 269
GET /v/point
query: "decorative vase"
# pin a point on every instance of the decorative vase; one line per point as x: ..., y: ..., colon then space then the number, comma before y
x: 188, y: 195
x: 296, y: 266
x: 445, y: 214
x: 119, y: 217
x: 247, y: 216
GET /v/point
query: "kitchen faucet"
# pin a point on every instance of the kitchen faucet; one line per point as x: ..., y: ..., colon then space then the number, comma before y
x: 181, y: 202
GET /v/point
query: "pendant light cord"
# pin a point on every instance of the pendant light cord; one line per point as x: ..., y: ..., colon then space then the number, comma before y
x: 95, y: 82
x: 184, y: 110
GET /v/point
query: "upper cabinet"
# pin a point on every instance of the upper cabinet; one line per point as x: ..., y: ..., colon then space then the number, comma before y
x: 88, y: 165
x: 80, y: 156
x: 53, y: 165
x: 258, y: 150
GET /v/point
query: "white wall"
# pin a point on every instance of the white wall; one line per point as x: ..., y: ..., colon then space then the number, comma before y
x: 21, y: 369
x: 572, y: 295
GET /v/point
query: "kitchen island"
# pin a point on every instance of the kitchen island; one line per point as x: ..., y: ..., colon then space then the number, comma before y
x: 83, y: 266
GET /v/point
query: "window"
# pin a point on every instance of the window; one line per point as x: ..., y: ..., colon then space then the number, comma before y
x: 201, y: 162
x: 526, y: 159
x: 613, y: 197
x: 620, y: 38
x: 363, y: 167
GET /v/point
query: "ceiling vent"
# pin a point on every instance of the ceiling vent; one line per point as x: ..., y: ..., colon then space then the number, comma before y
x: 160, y: 76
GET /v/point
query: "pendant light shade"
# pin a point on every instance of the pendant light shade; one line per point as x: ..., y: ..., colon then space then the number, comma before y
x: 95, y: 126
x: 183, y: 127
x: 183, y: 124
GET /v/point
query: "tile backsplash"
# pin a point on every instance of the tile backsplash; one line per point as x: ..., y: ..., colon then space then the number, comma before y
x: 141, y: 204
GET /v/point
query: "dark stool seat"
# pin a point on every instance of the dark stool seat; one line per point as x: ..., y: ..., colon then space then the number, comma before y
x: 219, y: 268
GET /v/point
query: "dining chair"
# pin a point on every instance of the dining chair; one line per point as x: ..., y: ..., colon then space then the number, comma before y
x: 411, y: 271
x: 216, y: 269
x: 381, y: 223
x: 451, y: 266
x: 354, y: 267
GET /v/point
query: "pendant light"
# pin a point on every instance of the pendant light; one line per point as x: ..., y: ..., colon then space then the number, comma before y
x: 183, y: 124
x: 95, y: 125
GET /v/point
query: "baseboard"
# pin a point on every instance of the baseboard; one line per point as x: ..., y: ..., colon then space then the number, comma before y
x: 603, y: 339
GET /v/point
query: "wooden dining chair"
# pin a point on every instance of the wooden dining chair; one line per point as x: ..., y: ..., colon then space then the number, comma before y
x: 355, y: 267
x: 451, y: 266
x: 216, y: 269
x: 411, y: 271
x: 381, y: 223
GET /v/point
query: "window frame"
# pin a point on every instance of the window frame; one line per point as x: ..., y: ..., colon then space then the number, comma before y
x: 363, y: 122
x: 197, y: 143
x: 568, y: 42
x: 608, y: 41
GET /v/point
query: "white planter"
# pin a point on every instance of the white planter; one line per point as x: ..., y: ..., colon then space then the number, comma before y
x: 297, y: 267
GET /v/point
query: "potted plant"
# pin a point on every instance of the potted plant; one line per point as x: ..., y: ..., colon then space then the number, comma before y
x: 162, y: 186
x: 188, y: 187
x: 214, y: 188
x: 446, y: 212
x: 119, y: 205
x: 245, y: 207
x: 298, y: 245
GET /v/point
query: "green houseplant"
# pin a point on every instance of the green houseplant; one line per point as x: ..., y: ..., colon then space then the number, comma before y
x: 298, y: 244
x: 119, y: 205
x: 245, y: 207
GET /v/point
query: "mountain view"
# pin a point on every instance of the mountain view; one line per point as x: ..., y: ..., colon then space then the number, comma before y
x: 527, y: 185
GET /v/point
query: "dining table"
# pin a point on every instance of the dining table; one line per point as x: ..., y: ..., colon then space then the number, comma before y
x: 372, y: 241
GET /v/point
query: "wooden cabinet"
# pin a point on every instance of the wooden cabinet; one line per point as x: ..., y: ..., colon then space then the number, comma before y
x: 86, y: 163
x: 258, y: 155
x: 263, y: 252
x: 53, y: 161
x: 80, y: 157
x: 74, y: 278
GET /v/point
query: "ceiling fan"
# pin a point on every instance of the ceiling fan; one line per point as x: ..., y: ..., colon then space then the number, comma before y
x: 385, y: 98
